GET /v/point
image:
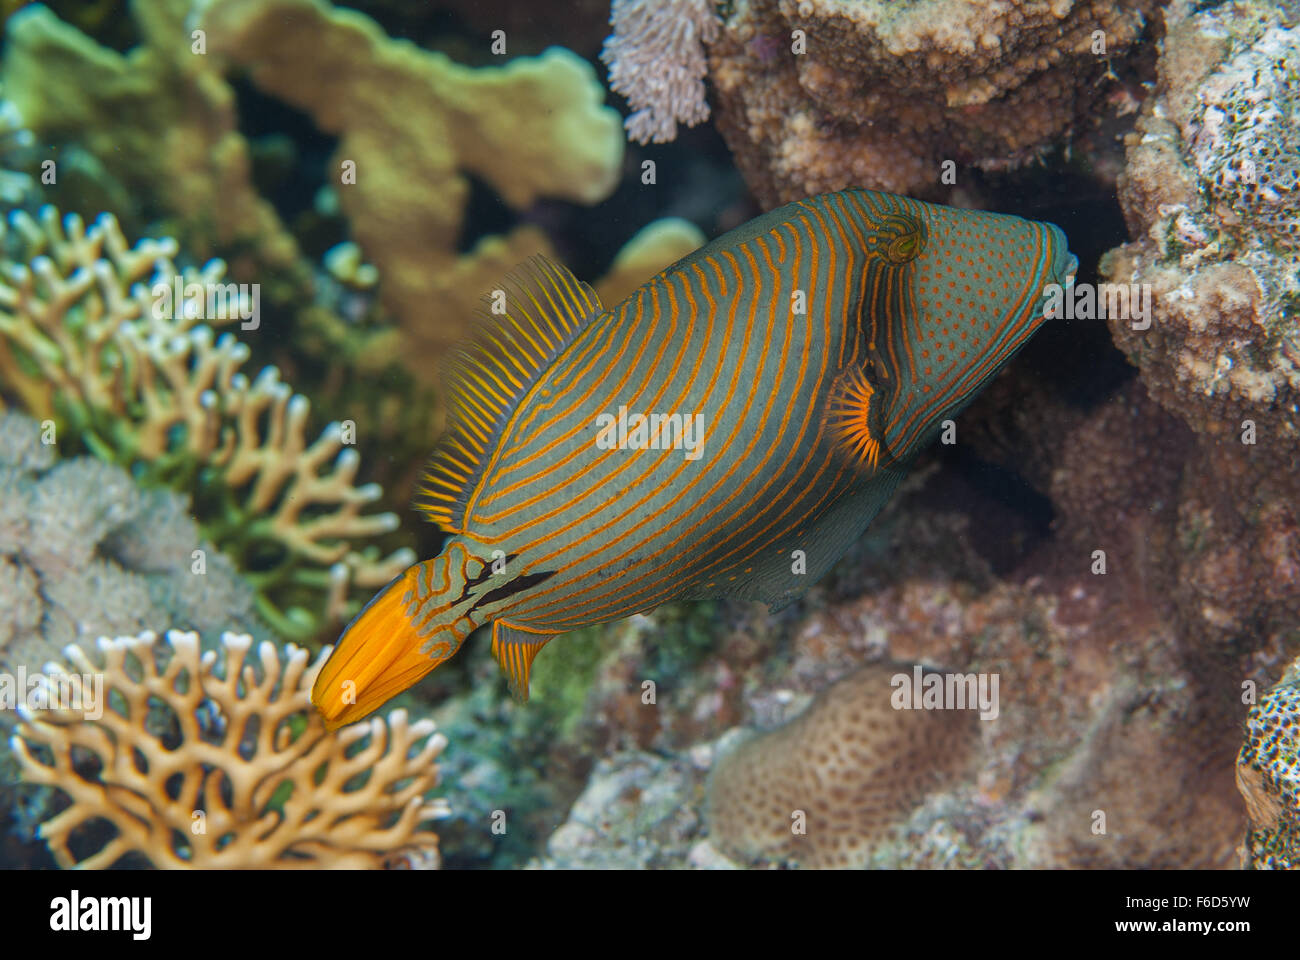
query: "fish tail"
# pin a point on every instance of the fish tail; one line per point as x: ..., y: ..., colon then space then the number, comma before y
x: 403, y: 633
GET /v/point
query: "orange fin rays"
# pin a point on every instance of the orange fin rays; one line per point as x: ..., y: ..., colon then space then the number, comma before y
x: 854, y: 418
x: 515, y: 647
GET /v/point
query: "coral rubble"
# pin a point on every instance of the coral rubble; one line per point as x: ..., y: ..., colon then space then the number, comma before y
x: 200, y: 760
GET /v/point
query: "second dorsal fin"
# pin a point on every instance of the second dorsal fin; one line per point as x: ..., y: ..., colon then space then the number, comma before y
x: 533, y: 316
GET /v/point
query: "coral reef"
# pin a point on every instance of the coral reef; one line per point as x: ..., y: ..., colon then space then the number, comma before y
x: 84, y: 336
x: 157, y: 123
x: 638, y: 812
x: 822, y: 789
x: 1212, y: 198
x: 1210, y: 195
x: 534, y: 127
x: 656, y: 59
x: 200, y: 760
x: 819, y: 95
x: 1268, y: 776
x: 84, y: 552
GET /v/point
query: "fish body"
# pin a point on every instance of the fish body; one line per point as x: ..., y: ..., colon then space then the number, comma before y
x: 728, y: 430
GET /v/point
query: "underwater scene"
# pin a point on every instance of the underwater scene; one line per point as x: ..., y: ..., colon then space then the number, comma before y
x: 658, y: 434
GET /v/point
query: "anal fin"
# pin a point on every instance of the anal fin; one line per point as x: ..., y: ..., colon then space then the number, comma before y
x: 515, y: 647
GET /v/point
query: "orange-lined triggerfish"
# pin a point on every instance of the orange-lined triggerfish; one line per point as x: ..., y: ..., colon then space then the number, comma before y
x: 727, y: 430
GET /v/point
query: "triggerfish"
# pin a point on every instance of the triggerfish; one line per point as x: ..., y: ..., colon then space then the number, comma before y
x: 727, y: 430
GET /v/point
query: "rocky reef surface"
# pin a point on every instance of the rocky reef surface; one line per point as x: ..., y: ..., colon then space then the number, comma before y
x: 1114, y: 536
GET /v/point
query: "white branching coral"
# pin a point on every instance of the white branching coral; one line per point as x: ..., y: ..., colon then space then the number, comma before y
x: 199, y: 760
x: 656, y: 59
x: 83, y: 337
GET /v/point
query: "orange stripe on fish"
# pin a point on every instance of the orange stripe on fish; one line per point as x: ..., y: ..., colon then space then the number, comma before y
x: 727, y: 430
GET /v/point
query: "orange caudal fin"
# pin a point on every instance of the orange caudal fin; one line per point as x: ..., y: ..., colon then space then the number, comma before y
x: 390, y: 645
x: 515, y: 647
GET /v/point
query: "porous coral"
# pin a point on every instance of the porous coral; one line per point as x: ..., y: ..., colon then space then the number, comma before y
x: 823, y: 789
x: 656, y: 59
x: 91, y: 332
x: 85, y: 552
x: 820, y: 95
x: 1268, y: 776
x: 207, y: 761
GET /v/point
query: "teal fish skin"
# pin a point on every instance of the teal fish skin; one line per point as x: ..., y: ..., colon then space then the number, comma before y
x: 821, y: 346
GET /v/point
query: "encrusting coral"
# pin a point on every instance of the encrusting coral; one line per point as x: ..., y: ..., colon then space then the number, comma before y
x: 1212, y: 197
x: 1268, y: 776
x: 84, y: 552
x: 819, y: 95
x: 852, y: 765
x: 1212, y: 202
x: 203, y: 761
x: 89, y: 334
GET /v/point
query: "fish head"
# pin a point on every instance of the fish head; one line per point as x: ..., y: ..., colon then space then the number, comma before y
x: 975, y: 293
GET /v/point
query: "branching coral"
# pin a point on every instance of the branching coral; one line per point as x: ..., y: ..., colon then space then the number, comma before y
x: 878, y: 94
x: 85, y: 552
x: 221, y: 762
x: 84, y: 335
x: 1268, y: 776
x: 850, y: 766
x: 656, y: 60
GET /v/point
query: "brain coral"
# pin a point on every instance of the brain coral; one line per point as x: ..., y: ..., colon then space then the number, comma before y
x: 851, y: 763
x: 886, y: 91
x: 85, y: 552
x: 1268, y: 776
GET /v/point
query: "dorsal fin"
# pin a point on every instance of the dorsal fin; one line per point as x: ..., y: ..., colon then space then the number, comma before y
x: 525, y: 324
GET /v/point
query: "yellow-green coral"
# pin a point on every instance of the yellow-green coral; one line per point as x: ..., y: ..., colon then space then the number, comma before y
x: 82, y: 337
x: 411, y: 125
x: 159, y: 118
